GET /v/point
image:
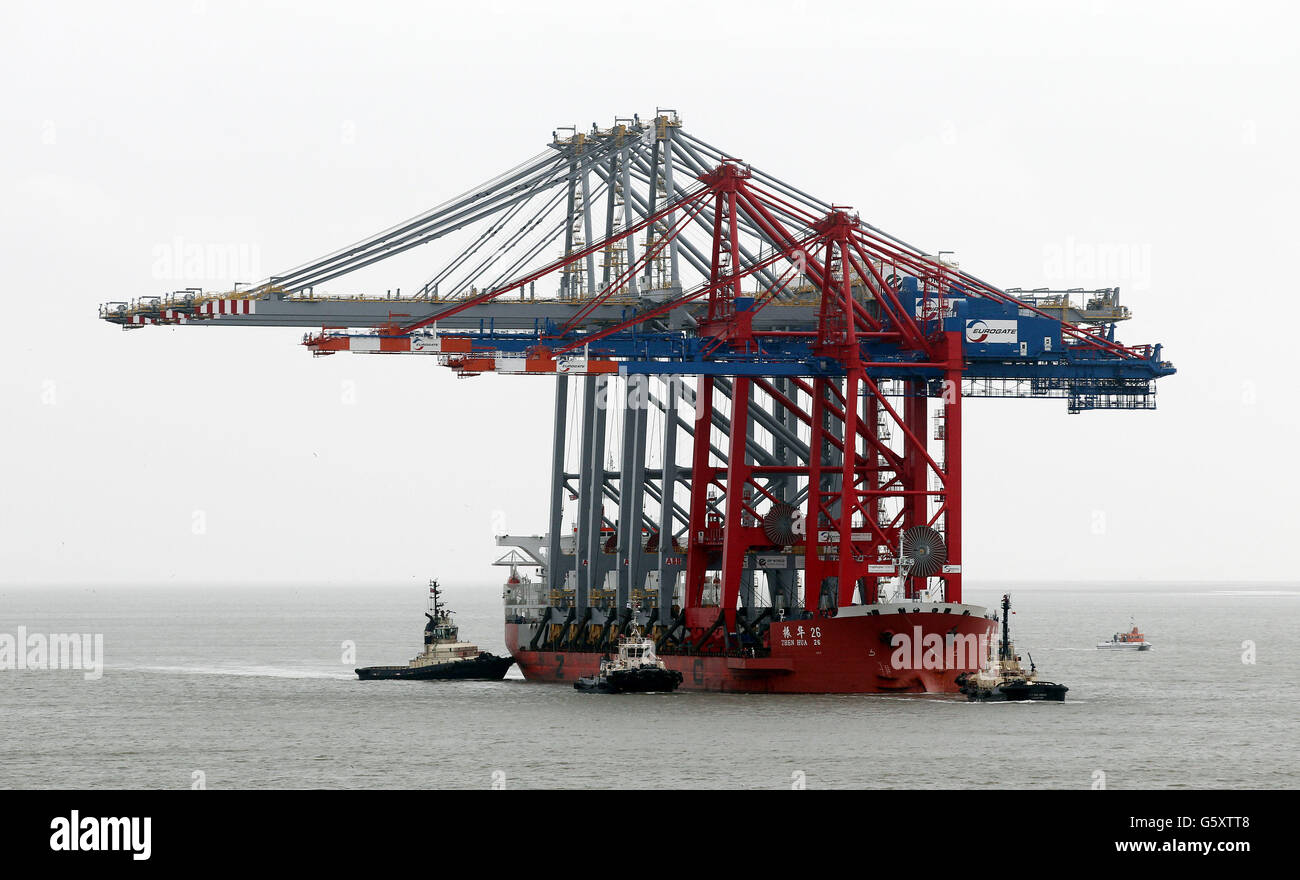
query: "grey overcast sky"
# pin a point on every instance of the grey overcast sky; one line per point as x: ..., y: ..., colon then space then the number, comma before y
x: 1150, y: 146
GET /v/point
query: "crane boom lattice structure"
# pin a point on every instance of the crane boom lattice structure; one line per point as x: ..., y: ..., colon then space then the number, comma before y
x: 776, y: 384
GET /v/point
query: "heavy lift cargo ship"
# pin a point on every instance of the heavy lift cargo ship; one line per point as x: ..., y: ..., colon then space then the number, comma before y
x: 766, y: 649
x: 851, y: 652
x: 758, y: 404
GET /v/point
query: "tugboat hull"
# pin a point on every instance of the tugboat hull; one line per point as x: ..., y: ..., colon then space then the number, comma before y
x: 1039, y: 691
x: 632, y: 681
x: 484, y: 667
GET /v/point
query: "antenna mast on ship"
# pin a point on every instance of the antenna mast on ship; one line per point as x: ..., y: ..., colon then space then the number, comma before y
x: 1005, y: 652
x: 435, y: 598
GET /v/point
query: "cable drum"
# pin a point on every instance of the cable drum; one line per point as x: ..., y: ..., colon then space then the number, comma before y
x: 782, y: 524
x: 925, y: 548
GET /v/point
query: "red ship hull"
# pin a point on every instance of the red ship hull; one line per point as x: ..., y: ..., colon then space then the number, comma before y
x: 854, y: 653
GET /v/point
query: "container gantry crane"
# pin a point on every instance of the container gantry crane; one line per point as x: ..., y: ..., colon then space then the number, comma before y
x: 809, y: 367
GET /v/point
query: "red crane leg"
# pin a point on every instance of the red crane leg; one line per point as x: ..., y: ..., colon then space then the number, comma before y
x: 847, y: 568
x: 916, y: 479
x: 735, y: 544
x: 814, y: 566
x: 871, y: 484
x: 697, y: 557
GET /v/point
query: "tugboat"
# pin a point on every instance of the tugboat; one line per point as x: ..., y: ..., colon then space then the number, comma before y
x: 444, y: 655
x: 636, y: 669
x: 1133, y: 640
x: 1005, y: 679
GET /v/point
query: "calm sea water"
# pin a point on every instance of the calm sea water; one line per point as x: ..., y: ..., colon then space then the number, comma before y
x: 248, y: 687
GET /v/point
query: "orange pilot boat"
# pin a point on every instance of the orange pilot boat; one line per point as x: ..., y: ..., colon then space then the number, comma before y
x: 1133, y: 640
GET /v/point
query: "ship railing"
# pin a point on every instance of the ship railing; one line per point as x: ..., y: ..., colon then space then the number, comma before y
x: 751, y: 652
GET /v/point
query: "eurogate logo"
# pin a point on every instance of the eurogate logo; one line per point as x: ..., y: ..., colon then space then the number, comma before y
x: 979, y: 330
x: 976, y: 331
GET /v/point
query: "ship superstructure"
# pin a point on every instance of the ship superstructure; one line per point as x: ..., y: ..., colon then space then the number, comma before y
x: 758, y: 404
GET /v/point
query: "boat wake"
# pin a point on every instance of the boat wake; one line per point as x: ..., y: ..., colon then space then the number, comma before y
x: 243, y: 671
